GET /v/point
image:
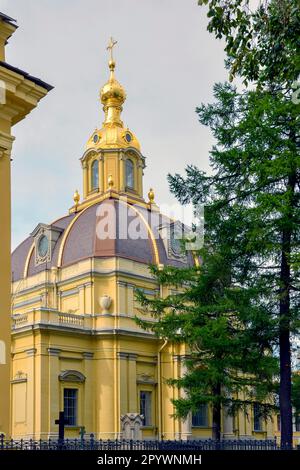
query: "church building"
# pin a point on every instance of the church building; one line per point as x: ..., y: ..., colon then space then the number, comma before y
x: 75, y: 342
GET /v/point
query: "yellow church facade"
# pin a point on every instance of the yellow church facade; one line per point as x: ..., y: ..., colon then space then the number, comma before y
x: 75, y: 343
x: 19, y: 95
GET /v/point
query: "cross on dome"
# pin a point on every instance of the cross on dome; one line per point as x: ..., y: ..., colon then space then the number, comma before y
x: 110, y: 47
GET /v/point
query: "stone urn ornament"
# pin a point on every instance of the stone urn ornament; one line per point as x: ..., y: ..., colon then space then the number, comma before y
x: 105, y: 303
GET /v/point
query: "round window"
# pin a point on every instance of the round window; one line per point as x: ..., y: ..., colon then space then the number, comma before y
x: 128, y: 137
x: 43, y: 246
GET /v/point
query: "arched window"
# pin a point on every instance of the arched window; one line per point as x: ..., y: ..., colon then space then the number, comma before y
x: 95, y: 175
x: 129, y: 174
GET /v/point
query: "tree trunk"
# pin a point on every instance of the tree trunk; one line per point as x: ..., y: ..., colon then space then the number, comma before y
x: 285, y: 401
x: 286, y: 416
x: 216, y: 414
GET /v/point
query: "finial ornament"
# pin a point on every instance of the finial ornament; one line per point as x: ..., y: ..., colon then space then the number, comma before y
x: 112, y: 94
x: 151, y: 196
x: 110, y: 182
x: 76, y: 199
x: 110, y: 47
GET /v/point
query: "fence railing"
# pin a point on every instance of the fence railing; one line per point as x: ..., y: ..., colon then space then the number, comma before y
x: 91, y: 443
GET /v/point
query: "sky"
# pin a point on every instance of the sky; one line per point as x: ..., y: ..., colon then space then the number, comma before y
x: 166, y: 61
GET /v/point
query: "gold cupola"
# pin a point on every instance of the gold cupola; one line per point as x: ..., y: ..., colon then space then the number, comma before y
x: 112, y: 162
x: 112, y: 96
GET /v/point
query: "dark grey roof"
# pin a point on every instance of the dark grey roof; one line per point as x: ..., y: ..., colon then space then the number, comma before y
x: 80, y: 241
x: 19, y: 257
x: 83, y: 240
x: 8, y: 19
x: 26, y: 75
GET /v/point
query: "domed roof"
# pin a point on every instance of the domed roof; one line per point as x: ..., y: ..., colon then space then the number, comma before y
x: 111, y: 228
x: 112, y: 137
x: 113, y: 133
x: 112, y: 90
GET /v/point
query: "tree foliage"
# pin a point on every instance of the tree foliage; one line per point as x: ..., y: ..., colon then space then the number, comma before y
x: 229, y: 362
x: 252, y: 205
x: 262, y: 41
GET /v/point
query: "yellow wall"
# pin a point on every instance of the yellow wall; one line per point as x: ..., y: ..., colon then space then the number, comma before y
x: 117, y: 359
x: 18, y: 96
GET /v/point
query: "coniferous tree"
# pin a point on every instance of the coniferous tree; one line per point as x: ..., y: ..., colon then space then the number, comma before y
x: 253, y: 206
x: 252, y: 198
x: 296, y: 393
x: 262, y: 47
x: 230, y: 365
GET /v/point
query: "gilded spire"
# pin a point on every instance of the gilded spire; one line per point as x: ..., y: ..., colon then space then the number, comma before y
x: 113, y: 134
x: 112, y: 94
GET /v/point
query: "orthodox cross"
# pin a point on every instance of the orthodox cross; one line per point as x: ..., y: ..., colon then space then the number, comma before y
x: 61, y: 425
x: 110, y: 47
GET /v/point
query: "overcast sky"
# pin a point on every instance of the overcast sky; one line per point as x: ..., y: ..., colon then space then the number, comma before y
x: 167, y: 62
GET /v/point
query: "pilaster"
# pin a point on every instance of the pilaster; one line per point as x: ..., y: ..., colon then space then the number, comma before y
x: 89, y: 408
x: 128, y: 388
x: 186, y: 425
x: 30, y: 399
x: 85, y: 179
x: 53, y: 398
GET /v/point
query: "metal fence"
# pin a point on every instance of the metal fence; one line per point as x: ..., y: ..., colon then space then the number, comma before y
x: 91, y: 443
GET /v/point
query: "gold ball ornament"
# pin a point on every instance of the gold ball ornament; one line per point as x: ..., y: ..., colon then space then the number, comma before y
x: 76, y: 198
x: 151, y: 196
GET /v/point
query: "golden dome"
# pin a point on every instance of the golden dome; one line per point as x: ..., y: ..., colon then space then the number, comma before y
x: 113, y: 133
x: 112, y: 92
x: 112, y: 137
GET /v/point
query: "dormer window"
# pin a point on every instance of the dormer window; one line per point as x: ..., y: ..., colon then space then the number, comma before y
x: 45, y: 238
x: 94, y: 175
x: 129, y: 174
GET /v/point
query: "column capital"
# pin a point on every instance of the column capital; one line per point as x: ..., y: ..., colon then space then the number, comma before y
x: 125, y: 355
x: 88, y: 355
x: 30, y: 352
x: 180, y: 357
x: 54, y: 351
